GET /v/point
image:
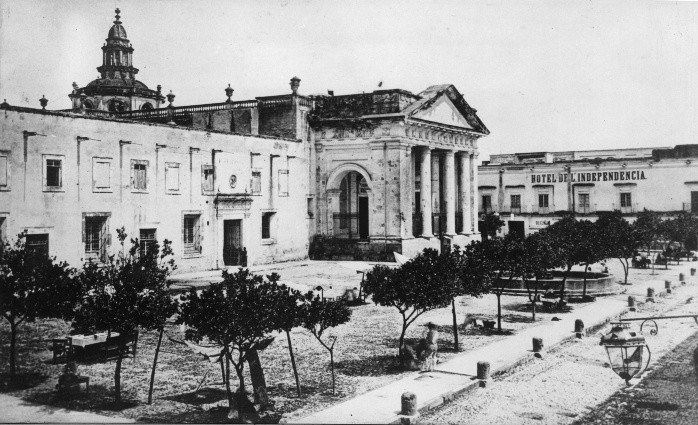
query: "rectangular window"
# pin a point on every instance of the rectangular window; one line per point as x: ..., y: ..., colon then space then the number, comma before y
x: 191, y: 234
x: 147, y: 240
x: 101, y: 174
x: 256, y: 184
x: 96, y: 238
x: 625, y: 200
x: 4, y: 178
x: 516, y: 201
x: 206, y: 178
x: 37, y: 244
x: 486, y: 203
x: 266, y: 225
x: 139, y: 175
x: 584, y: 200
x: 283, y: 182
x: 172, y: 177
x: 543, y: 200
x: 53, y: 173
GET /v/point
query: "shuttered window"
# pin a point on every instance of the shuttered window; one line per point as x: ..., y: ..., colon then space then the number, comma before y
x: 139, y: 175
x: 207, y: 178
x: 191, y: 234
x: 101, y: 173
x: 283, y: 182
x: 256, y: 183
x: 626, y: 200
x: 96, y: 238
x: 3, y: 171
x: 172, y: 176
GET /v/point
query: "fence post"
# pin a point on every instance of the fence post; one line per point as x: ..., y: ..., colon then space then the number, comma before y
x: 483, y: 373
x: 650, y: 294
x: 579, y: 328
x: 667, y: 286
x: 631, y: 303
x: 408, y: 409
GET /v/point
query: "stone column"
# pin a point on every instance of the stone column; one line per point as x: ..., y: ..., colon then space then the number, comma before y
x: 425, y: 188
x: 473, y: 193
x: 436, y: 206
x: 465, y: 192
x: 450, y: 192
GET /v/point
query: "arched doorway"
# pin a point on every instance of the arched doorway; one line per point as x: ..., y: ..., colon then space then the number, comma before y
x: 351, y: 221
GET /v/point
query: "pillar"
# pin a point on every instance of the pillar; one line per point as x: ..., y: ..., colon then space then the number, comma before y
x: 450, y: 192
x: 465, y: 192
x: 425, y: 188
x: 435, y: 182
x: 473, y: 193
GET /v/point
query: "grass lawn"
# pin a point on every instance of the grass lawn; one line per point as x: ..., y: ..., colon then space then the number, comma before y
x: 365, y: 358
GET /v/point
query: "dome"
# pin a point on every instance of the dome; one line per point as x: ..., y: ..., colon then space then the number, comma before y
x: 117, y: 31
x: 116, y: 82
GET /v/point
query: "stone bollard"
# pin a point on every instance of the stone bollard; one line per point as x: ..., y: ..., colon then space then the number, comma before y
x: 631, y: 303
x: 483, y: 373
x: 693, y: 272
x: 667, y: 286
x: 537, y: 345
x: 408, y: 411
x: 650, y: 294
x: 579, y: 328
x: 682, y: 278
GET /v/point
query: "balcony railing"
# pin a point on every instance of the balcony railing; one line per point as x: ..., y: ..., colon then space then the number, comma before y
x: 585, y: 208
x: 543, y: 210
x: 625, y: 209
x: 346, y: 225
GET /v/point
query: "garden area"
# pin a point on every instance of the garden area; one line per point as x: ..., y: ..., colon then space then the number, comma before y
x: 206, y: 343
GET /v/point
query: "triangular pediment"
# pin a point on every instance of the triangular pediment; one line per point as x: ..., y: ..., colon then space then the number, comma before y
x: 443, y: 111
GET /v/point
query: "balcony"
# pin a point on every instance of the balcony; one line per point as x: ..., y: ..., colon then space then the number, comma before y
x: 585, y: 208
x: 543, y: 210
x: 625, y: 209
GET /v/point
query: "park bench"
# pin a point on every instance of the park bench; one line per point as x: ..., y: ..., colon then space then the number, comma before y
x: 96, y: 347
x: 481, y: 322
x: 552, y: 304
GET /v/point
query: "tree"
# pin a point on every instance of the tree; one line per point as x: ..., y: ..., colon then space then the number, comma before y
x: 681, y: 228
x: 126, y: 292
x: 648, y: 228
x: 413, y: 288
x: 240, y: 324
x: 508, y: 255
x: 590, y: 247
x: 462, y: 274
x: 564, y: 237
x: 33, y: 286
x: 620, y: 240
x: 539, y: 260
x: 491, y: 223
x: 321, y: 315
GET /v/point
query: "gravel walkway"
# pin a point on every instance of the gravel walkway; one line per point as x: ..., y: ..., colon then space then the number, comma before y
x: 564, y: 385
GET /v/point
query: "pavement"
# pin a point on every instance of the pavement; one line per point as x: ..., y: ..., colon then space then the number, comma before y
x: 458, y: 375
x: 16, y: 410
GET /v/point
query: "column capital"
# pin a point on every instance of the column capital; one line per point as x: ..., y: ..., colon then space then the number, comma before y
x: 450, y: 153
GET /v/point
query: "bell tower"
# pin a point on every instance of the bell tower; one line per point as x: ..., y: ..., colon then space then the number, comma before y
x: 117, y: 54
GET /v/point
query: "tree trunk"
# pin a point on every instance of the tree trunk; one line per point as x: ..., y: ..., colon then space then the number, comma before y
x: 13, y: 350
x: 499, y: 311
x: 402, y: 340
x: 584, y: 288
x: 626, y: 269
x: 225, y: 364
x: 332, y: 369
x: 155, y: 363
x: 259, y: 384
x: 117, y: 378
x: 564, y: 280
x: 293, y: 363
x: 456, y: 345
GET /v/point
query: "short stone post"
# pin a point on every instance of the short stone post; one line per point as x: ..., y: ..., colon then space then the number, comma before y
x: 579, y: 328
x: 483, y: 373
x: 682, y: 278
x: 537, y: 345
x: 667, y: 286
x: 650, y: 294
x: 408, y: 410
x: 631, y: 303
x: 693, y: 271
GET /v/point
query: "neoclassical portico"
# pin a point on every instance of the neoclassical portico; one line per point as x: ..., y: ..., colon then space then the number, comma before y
x: 400, y: 180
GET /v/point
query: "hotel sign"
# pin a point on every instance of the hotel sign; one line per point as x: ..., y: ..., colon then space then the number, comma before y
x: 596, y: 176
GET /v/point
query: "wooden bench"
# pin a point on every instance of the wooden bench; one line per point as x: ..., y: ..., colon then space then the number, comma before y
x: 113, y: 345
x: 552, y: 304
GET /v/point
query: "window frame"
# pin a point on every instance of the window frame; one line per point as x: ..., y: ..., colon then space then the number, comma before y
x: 102, y: 160
x: 144, y: 163
x: 192, y: 248
x: 486, y: 206
x: 27, y: 244
x: 103, y: 239
x: 44, y: 177
x: 6, y: 156
x: 258, y: 192
x: 516, y: 204
x: 268, y: 221
x: 281, y: 181
x: 204, y: 169
x: 169, y: 166
x: 147, y: 244
x: 626, y: 196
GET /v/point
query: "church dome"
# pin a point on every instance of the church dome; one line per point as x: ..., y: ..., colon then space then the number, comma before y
x: 116, y: 82
x: 117, y: 30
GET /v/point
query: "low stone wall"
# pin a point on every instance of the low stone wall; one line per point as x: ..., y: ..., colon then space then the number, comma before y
x: 324, y: 248
x: 597, y: 284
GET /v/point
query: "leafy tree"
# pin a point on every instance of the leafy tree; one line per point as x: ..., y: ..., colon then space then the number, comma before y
x: 321, y: 315
x: 539, y: 260
x: 620, y: 240
x: 240, y: 324
x: 462, y: 273
x: 413, y: 288
x: 508, y: 255
x: 681, y: 228
x: 564, y: 236
x: 491, y: 223
x: 33, y: 286
x: 590, y: 248
x: 127, y: 292
x: 648, y: 228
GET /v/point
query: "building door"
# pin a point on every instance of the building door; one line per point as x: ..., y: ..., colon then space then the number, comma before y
x: 517, y: 228
x: 234, y: 254
x: 363, y: 217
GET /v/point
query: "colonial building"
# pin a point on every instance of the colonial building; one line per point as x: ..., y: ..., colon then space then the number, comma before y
x: 531, y: 190
x: 238, y: 182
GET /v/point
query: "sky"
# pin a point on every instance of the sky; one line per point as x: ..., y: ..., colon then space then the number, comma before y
x: 543, y: 75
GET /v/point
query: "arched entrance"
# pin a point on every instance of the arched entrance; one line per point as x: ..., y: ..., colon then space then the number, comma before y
x: 348, y: 202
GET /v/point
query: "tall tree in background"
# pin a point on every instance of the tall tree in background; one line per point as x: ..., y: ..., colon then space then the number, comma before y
x: 491, y: 223
x: 540, y: 258
x: 509, y: 255
x: 619, y: 239
x: 590, y: 247
x: 464, y: 271
x: 32, y: 286
x: 564, y: 236
x: 648, y: 229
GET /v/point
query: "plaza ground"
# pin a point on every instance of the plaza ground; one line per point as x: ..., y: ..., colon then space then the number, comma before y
x: 365, y: 354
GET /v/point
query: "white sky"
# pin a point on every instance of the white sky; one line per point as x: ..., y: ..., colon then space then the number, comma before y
x: 544, y: 75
